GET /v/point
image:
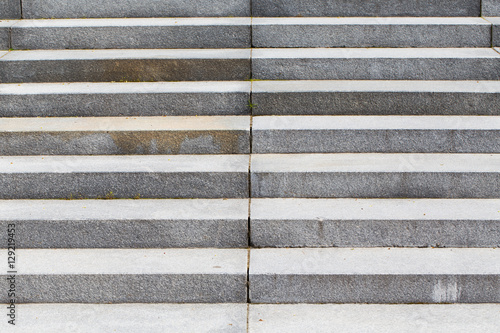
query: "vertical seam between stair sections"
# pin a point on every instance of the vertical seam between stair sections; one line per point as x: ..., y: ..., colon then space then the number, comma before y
x: 21, y: 8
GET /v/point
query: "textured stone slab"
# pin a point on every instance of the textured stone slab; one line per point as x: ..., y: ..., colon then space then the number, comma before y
x: 376, y: 64
x: 127, y: 223
x: 490, y: 8
x: 354, y: 318
x: 160, y: 176
x: 124, y: 99
x: 10, y: 9
x: 150, y: 33
x: 371, y: 32
x: 376, y: 175
x: 133, y: 8
x: 375, y: 222
x: 125, y: 136
x: 383, y: 134
x: 366, y: 8
x: 376, y: 97
x: 124, y: 318
x: 130, y: 276
x: 5, y: 26
x: 125, y: 65
x: 374, y: 275
x: 495, y: 29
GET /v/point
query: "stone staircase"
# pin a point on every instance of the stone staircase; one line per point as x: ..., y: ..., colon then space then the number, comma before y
x: 250, y: 166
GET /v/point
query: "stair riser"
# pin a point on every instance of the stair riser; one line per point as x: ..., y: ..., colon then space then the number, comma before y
x: 496, y: 31
x: 148, y: 37
x: 124, y: 185
x: 375, y: 69
x: 129, y: 288
x: 375, y: 103
x: 411, y: 288
x: 379, y: 35
x: 10, y: 9
x: 374, y: 233
x: 490, y: 8
x: 375, y: 185
x: 381, y: 141
x: 4, y: 38
x: 125, y: 143
x: 363, y: 8
x: 134, y: 8
x: 136, y: 234
x: 124, y: 70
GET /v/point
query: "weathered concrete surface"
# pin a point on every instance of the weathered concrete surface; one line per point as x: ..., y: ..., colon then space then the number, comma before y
x: 5, y: 26
x: 375, y: 275
x: 490, y: 8
x: 125, y: 65
x: 160, y: 176
x: 374, y: 318
x: 124, y: 99
x: 130, y: 276
x: 375, y: 175
x: 127, y: 223
x: 376, y: 97
x: 125, y: 136
x: 371, y: 32
x: 151, y: 33
x: 376, y: 64
x: 361, y: 8
x: 134, y: 8
x: 370, y: 134
x: 495, y: 39
x: 375, y: 222
x: 123, y: 318
x: 10, y: 9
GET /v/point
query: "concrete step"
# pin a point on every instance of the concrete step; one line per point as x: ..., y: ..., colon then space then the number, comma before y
x: 375, y: 222
x: 375, y: 175
x: 125, y: 65
x: 149, y: 33
x: 125, y: 136
x: 131, y: 176
x: 129, y: 276
x: 145, y: 223
x: 371, y: 32
x: 5, y: 26
x: 124, y: 99
x: 375, y: 64
x: 373, y: 318
x: 490, y: 8
x: 134, y: 8
x: 495, y: 21
x: 10, y: 9
x: 374, y: 275
x: 124, y: 318
x: 382, y: 134
x: 375, y: 97
x: 364, y: 8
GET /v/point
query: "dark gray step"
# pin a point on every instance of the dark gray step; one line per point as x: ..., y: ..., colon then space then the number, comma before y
x: 490, y: 8
x: 495, y: 29
x: 375, y: 175
x: 381, y: 134
x: 134, y: 8
x: 375, y: 97
x: 366, y: 8
x: 125, y: 136
x: 374, y: 275
x: 130, y: 276
x: 10, y: 9
x: 150, y: 33
x: 376, y: 64
x: 5, y: 33
x: 375, y: 222
x: 125, y: 65
x: 371, y: 32
x: 215, y: 223
x: 133, y: 176
x: 124, y: 99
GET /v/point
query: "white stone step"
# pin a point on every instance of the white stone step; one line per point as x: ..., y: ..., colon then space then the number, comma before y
x: 375, y: 175
x: 129, y: 276
x: 124, y: 99
x: 374, y: 275
x: 125, y: 135
x: 145, y: 223
x: 375, y: 222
